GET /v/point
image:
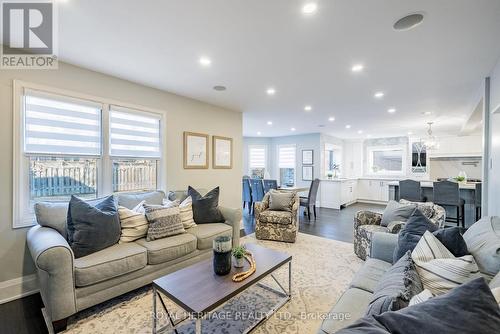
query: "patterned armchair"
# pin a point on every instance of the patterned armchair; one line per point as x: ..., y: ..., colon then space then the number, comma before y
x: 276, y: 225
x: 366, y: 223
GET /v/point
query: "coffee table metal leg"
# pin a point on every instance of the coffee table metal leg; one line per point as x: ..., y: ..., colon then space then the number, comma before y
x: 198, y: 326
x: 290, y: 279
x: 154, y: 310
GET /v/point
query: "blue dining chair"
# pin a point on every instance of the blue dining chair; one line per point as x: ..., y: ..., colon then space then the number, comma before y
x: 257, y: 191
x: 270, y: 184
x: 247, y: 194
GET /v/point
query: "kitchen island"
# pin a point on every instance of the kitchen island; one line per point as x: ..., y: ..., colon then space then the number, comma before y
x: 467, y: 193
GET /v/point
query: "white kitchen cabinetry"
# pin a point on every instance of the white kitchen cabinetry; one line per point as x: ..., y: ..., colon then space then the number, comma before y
x: 458, y: 146
x: 373, y: 190
x: 335, y: 193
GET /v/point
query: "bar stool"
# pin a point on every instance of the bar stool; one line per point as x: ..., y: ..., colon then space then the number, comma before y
x: 477, y: 200
x: 410, y: 190
x: 447, y: 194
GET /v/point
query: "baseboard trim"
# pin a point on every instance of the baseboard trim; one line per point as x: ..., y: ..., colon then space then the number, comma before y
x: 370, y: 201
x: 18, y: 288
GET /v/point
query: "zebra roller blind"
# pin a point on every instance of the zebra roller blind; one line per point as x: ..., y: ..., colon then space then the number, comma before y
x: 57, y: 125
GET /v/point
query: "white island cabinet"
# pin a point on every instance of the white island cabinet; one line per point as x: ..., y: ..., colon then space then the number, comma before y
x: 338, y: 192
x: 373, y: 190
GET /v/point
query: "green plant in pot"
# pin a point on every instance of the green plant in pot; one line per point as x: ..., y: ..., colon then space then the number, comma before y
x: 239, y: 256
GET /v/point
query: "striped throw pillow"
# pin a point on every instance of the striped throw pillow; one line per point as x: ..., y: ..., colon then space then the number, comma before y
x: 134, y: 224
x: 163, y: 221
x: 421, y: 297
x: 439, y: 270
x: 186, y: 210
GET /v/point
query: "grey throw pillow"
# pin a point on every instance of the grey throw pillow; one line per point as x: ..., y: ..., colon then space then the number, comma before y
x: 395, y: 211
x: 92, y: 227
x: 206, y: 208
x: 281, y: 200
x: 52, y: 215
x: 131, y: 200
x: 164, y: 221
x: 396, y: 287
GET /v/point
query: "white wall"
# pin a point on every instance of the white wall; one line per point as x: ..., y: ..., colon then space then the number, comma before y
x: 494, y: 140
x: 182, y: 114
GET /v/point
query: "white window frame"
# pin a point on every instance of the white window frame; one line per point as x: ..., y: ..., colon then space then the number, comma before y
x: 278, y: 174
x: 250, y: 147
x: 404, y: 159
x: 23, y: 213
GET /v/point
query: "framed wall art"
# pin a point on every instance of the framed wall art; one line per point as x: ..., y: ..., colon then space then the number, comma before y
x: 195, y: 150
x: 222, y: 152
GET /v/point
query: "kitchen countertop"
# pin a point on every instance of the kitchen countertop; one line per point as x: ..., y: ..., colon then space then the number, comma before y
x: 429, y: 184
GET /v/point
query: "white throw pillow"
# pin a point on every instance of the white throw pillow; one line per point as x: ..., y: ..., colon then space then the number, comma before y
x: 186, y: 210
x: 133, y: 222
x: 439, y: 270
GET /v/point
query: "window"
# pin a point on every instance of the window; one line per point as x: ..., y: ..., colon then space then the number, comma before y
x: 386, y: 161
x: 63, y: 147
x: 134, y: 149
x: 286, y: 165
x: 333, y: 160
x: 257, y: 161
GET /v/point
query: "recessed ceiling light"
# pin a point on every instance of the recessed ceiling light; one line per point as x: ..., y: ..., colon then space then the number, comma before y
x: 410, y: 133
x: 360, y: 131
x: 310, y: 8
x: 308, y: 108
x: 427, y: 113
x: 408, y: 22
x: 205, y: 61
x: 258, y: 133
x: 269, y: 123
x: 357, y: 68
x: 391, y: 110
x: 271, y: 91
x: 347, y: 126
x: 331, y: 119
x: 379, y: 95
x: 292, y: 129
x: 321, y: 125
x: 220, y: 88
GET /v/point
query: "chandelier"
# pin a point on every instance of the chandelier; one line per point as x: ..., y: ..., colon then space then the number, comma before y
x: 430, y: 142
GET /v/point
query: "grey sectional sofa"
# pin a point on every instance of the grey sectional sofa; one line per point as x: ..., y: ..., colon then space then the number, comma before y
x: 69, y: 285
x: 483, y: 242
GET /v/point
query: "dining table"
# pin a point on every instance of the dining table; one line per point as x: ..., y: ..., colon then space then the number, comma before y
x: 296, y: 189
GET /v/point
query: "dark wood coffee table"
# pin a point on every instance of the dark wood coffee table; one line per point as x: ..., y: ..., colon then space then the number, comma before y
x: 199, y: 291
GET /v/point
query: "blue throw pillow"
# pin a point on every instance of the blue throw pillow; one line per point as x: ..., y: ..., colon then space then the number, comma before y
x: 467, y: 309
x: 415, y: 228
x: 92, y: 225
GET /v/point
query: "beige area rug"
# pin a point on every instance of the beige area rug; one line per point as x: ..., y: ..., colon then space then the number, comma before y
x: 321, y: 270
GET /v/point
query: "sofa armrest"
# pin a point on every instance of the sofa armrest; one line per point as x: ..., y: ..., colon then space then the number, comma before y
x: 383, y: 245
x: 233, y: 217
x: 367, y: 218
x: 54, y: 261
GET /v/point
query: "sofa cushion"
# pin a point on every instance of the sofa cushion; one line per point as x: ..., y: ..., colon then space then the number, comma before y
x: 170, y: 248
x: 206, y: 207
x: 206, y: 233
x: 395, y: 211
x: 54, y: 215
x: 439, y: 270
x: 131, y: 200
x: 369, y: 275
x: 108, y: 263
x: 349, y: 307
x: 92, y: 227
x: 275, y: 217
x: 469, y: 308
x: 396, y: 287
x: 281, y: 200
x: 483, y: 242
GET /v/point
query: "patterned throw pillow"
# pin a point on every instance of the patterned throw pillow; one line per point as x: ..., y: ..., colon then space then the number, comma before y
x: 163, y: 221
x: 133, y: 223
x: 439, y: 270
x: 186, y: 210
x: 281, y: 200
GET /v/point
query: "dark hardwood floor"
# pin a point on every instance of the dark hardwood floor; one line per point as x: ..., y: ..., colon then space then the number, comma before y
x: 331, y: 224
x: 24, y: 316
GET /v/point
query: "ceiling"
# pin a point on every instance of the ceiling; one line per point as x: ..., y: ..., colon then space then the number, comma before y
x: 436, y: 67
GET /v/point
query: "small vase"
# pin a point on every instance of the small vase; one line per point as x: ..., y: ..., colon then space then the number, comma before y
x: 239, y: 262
x: 222, y: 255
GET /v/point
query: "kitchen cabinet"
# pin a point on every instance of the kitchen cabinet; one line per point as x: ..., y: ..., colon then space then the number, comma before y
x: 373, y: 190
x: 458, y: 146
x: 336, y: 193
